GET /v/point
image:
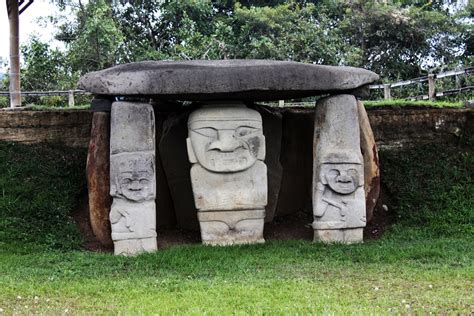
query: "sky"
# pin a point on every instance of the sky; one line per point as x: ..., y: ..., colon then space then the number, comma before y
x: 28, y: 26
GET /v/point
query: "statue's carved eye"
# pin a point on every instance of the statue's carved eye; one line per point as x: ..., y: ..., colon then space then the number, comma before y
x: 207, y: 132
x: 126, y: 181
x: 353, y: 173
x: 245, y: 130
x: 144, y: 181
x: 334, y: 173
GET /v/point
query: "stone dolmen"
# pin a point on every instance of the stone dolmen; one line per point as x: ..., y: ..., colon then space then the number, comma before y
x: 232, y: 165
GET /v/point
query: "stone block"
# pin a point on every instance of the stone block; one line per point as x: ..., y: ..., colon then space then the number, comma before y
x: 133, y: 127
x: 133, y: 178
x: 221, y: 228
x: 226, y: 146
x: 250, y: 80
x: 371, y: 162
x: 272, y: 128
x: 98, y: 177
x: 338, y: 182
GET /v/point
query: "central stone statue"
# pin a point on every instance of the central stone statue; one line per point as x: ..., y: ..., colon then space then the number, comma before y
x: 229, y: 178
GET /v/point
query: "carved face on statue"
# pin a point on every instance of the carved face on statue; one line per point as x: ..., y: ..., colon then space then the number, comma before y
x: 342, y: 173
x: 225, y: 139
x: 134, y: 178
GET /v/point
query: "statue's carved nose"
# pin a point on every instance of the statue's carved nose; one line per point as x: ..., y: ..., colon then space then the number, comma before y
x: 344, y: 178
x: 226, y: 142
x: 135, y: 186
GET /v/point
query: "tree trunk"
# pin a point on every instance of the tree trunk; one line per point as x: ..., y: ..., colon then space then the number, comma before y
x: 13, y: 18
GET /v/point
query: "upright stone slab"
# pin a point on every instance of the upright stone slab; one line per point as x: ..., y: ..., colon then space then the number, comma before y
x: 98, y: 182
x: 338, y: 181
x: 371, y: 162
x: 133, y: 178
x: 229, y: 178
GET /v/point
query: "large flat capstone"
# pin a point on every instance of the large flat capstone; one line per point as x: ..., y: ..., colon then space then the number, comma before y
x: 224, y: 79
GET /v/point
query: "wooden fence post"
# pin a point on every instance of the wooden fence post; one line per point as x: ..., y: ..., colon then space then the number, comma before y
x: 386, y: 92
x: 13, y: 18
x: 431, y: 87
x: 70, y: 98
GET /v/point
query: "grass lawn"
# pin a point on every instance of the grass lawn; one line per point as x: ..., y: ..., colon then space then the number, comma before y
x: 424, y: 263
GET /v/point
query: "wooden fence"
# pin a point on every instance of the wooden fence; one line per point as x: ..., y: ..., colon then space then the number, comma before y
x: 69, y: 93
x: 431, y: 78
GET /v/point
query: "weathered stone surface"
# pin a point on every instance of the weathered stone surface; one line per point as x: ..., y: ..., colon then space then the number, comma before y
x: 272, y: 126
x: 338, y: 183
x: 133, y: 178
x: 346, y: 236
x: 165, y: 213
x: 226, y: 147
x: 222, y: 228
x: 133, y: 226
x: 70, y: 128
x: 371, y: 162
x: 402, y: 128
x: 134, y: 127
x: 224, y: 79
x: 176, y: 166
x: 242, y: 190
x: 98, y: 180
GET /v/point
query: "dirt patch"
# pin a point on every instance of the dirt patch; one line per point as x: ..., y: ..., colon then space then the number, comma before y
x: 382, y: 218
x: 81, y: 217
x: 293, y: 226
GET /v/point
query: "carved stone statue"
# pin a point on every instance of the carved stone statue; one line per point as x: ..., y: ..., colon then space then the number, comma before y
x: 338, y: 184
x: 132, y: 179
x: 229, y: 178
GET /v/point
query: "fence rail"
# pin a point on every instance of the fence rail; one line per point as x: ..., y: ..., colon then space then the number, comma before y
x: 431, y: 78
x: 69, y: 93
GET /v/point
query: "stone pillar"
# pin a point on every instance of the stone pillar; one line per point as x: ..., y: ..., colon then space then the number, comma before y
x: 98, y: 181
x: 133, y: 178
x: 371, y: 162
x: 226, y: 147
x: 338, y: 172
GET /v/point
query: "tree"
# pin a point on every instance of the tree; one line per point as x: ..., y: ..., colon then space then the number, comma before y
x: 397, y: 39
x: 402, y: 42
x: 93, y: 40
x: 45, y: 68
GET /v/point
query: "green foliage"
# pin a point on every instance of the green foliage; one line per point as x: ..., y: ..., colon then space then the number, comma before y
x: 53, y: 101
x: 397, y: 39
x: 40, y: 185
x: 402, y: 42
x: 94, y: 39
x: 44, y: 68
x: 4, y: 102
x: 405, y: 103
x: 433, y: 188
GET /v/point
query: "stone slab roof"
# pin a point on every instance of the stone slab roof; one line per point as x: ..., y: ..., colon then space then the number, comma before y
x: 253, y: 80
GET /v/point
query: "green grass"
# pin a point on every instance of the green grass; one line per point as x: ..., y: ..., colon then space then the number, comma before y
x: 405, y: 103
x: 423, y: 264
